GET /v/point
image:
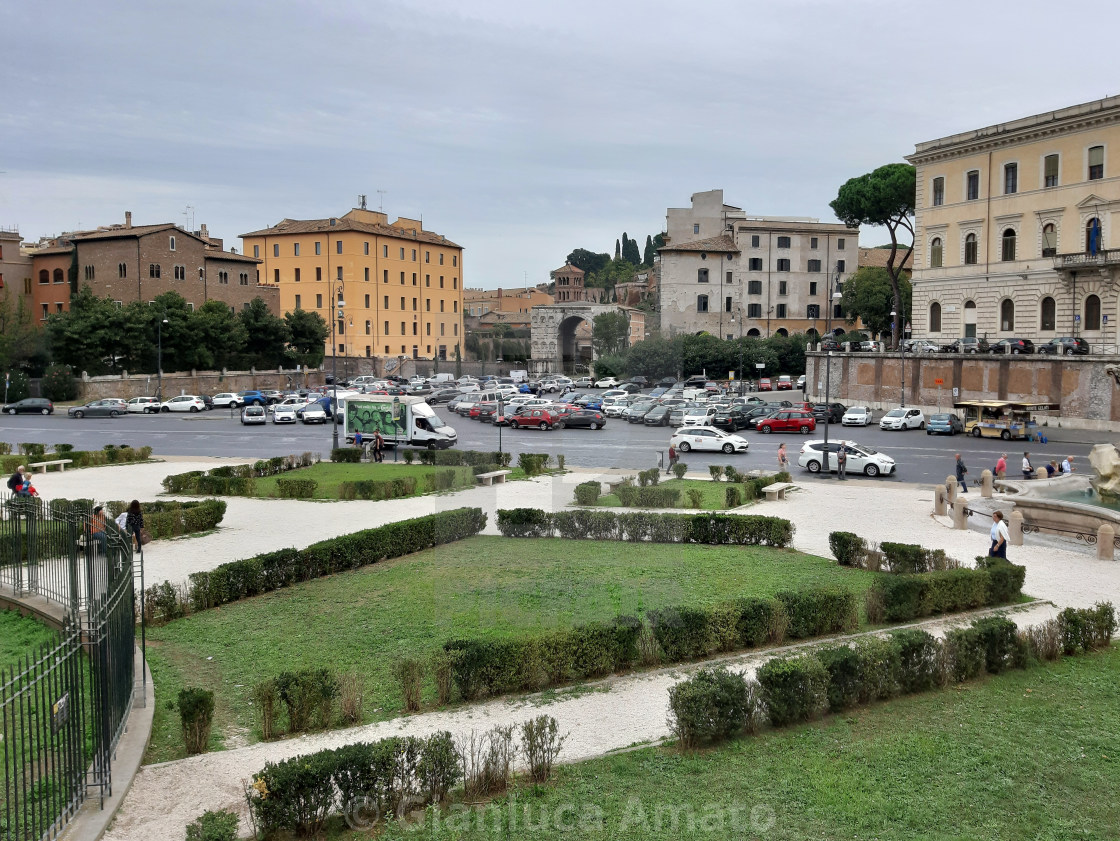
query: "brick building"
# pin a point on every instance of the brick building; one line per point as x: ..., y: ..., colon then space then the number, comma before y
x: 15, y: 270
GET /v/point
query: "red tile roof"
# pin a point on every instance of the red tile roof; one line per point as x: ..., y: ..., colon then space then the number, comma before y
x: 720, y: 244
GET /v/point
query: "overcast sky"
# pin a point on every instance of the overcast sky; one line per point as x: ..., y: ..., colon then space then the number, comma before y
x: 521, y: 130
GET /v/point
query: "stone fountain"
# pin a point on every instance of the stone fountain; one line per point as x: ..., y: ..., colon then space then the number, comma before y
x: 1105, y: 459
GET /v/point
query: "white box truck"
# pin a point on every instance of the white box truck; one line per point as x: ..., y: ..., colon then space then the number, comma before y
x: 400, y: 420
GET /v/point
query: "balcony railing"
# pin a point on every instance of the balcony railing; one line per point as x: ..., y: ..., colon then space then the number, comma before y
x: 1083, y: 260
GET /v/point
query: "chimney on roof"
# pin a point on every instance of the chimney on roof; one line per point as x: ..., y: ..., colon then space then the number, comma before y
x: 499, y: 291
x: 203, y: 231
x: 128, y: 218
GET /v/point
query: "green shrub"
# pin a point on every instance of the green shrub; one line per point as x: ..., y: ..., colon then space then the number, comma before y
x: 296, y: 794
x: 880, y: 664
x: 587, y: 493
x: 441, y: 480
x: 679, y: 469
x: 845, y: 678
x: 695, y: 497
x: 346, y: 455
x: 760, y: 620
x: 533, y: 464
x: 919, y: 660
x: 794, y: 689
x: 439, y: 768
x: 32, y: 450
x: 732, y: 497
x: 906, y: 597
x: 296, y: 488
x: 6, y: 449
x: 196, y: 715
x: 58, y: 383
x: 19, y: 387
x: 410, y: 675
x: 819, y: 610
x: 712, y: 705
x: 1086, y: 629
x: 1000, y: 637
x: 712, y: 529
x: 409, y: 455
x: 307, y: 694
x: 717, y: 471
x: 849, y: 549
x: 966, y: 653
x: 540, y: 745
x: 732, y: 475
x: 524, y: 522
x: 682, y: 632
x: 265, y: 698
x: 214, y: 826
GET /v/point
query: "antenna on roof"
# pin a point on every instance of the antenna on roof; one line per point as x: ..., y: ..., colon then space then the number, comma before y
x: 381, y: 200
x: 188, y: 218
x: 362, y: 200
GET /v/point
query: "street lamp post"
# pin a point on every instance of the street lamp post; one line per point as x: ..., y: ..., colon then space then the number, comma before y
x: 336, y: 314
x: 832, y: 298
x: 901, y: 360
x: 396, y: 426
x: 159, y: 356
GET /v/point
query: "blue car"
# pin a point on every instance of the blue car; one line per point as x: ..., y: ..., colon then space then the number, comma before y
x: 943, y: 424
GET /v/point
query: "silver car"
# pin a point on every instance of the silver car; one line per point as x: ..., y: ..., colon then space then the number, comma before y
x: 253, y: 415
x: 284, y: 413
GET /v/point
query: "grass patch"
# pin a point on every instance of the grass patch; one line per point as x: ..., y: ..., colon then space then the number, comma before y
x: 330, y: 475
x: 21, y: 636
x: 482, y: 587
x: 714, y: 494
x: 1023, y: 755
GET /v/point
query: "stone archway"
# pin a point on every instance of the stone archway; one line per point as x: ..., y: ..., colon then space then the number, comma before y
x: 556, y: 347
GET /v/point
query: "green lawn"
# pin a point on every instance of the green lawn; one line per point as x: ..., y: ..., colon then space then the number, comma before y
x: 330, y: 475
x: 485, y: 586
x: 1026, y: 755
x: 714, y: 494
x: 21, y: 636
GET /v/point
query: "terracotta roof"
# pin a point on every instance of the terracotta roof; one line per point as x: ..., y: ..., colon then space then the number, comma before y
x: 722, y: 243
x: 125, y: 233
x: 341, y: 223
x: 214, y: 254
x: 568, y: 268
x: 54, y: 249
x: 879, y: 256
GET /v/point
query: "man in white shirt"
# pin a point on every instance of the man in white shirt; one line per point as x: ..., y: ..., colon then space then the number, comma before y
x: 1000, y: 535
x: 1067, y: 466
x: 1028, y: 471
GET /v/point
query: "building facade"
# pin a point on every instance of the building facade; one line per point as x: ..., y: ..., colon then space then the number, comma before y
x: 730, y: 274
x: 401, y: 286
x: 15, y: 271
x: 1015, y: 229
x: 504, y: 304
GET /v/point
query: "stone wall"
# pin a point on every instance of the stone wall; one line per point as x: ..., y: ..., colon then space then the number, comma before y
x: 1089, y: 396
x: 193, y: 382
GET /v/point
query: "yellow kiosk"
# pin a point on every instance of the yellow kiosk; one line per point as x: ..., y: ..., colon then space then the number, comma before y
x: 1003, y: 419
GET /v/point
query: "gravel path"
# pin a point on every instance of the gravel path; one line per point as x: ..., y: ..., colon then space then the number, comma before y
x: 600, y: 717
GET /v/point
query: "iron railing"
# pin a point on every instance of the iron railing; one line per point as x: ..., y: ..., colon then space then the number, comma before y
x: 64, y: 710
x: 1089, y: 538
x: 1105, y: 257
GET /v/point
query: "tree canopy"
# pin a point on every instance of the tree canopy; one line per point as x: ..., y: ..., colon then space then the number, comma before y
x: 610, y: 333
x: 869, y: 294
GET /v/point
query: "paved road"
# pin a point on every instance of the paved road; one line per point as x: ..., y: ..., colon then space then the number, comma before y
x: 921, y: 458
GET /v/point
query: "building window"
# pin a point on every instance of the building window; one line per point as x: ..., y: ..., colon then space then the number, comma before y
x: 780, y: 311
x: 257, y: 251
x: 402, y: 275
x: 840, y: 265
x: 454, y: 260
x: 339, y: 273
x: 783, y: 287
x: 1007, y: 250
x: 754, y: 287
x: 414, y: 255
x: 754, y: 310
x: 441, y: 281
x: 783, y: 264
x: 935, y: 253
x: 318, y: 248
x: 1092, y: 318
x: 695, y: 227
x: 840, y: 243
x: 441, y: 306
x: 1049, y: 314
x: 275, y: 249
x: 297, y: 276
x: 1007, y: 315
x: 298, y: 302
x: 402, y: 303
x: 970, y: 250
x: 153, y: 270
x: 729, y: 280
x: 276, y: 275
x: 403, y: 328
x: 171, y: 243
x: 295, y: 248
x: 369, y: 327
x: 938, y: 191
x: 338, y: 246
x: 1050, y: 171
x: 812, y: 242
x: 414, y: 305
x: 701, y: 275
x: 385, y: 276
x: 319, y: 301
x: 1096, y: 163
x: 972, y: 185
x: 44, y: 276
x: 318, y: 272
x: 813, y: 311
x: 366, y: 275
x: 243, y: 278
x: 754, y: 264
x: 122, y: 269
x: 935, y: 317
x: 1010, y: 179
x: 1093, y: 236
x: 414, y: 278
x: 814, y: 265
x: 386, y: 304
x: 1049, y: 240
x: 385, y: 253
x: 365, y: 250
x: 59, y: 276
x: 812, y: 287
x: 367, y: 302
x: 701, y: 303
x: 727, y: 304
x: 386, y: 332
x: 427, y: 305
x: 402, y: 253
x: 783, y: 242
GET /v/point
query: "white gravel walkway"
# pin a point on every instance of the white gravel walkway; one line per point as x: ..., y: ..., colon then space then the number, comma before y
x: 600, y: 717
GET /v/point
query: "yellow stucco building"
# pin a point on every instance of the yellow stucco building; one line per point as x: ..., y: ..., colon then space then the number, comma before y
x: 1015, y: 229
x: 401, y: 286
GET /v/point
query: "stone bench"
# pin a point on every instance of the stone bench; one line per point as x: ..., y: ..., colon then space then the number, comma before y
x: 498, y: 476
x: 61, y: 462
x: 778, y: 490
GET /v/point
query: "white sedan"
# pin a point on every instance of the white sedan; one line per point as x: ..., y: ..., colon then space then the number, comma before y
x: 225, y: 400
x: 857, y: 416
x: 184, y: 403
x: 903, y: 419
x: 707, y: 438
x: 607, y: 382
x: 860, y: 459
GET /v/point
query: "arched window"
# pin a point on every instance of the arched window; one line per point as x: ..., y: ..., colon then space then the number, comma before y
x: 44, y: 276
x: 970, y: 250
x: 753, y: 333
x: 1093, y: 236
x: 935, y: 317
x: 701, y: 303
x: 1049, y: 240
x: 935, y: 253
x: 59, y: 277
x: 1048, y: 318
x: 1008, y: 251
x: 1007, y: 315
x: 782, y: 331
x: 1092, y: 317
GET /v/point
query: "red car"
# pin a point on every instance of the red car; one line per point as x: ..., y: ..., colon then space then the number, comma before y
x: 540, y: 418
x: 789, y: 420
x: 785, y: 383
x: 764, y: 384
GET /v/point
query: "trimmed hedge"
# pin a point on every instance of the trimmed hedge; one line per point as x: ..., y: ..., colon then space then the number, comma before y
x: 900, y: 598
x: 296, y: 488
x: 709, y: 529
x: 713, y: 705
x: 80, y: 458
x: 235, y: 480
x: 346, y: 455
x: 848, y: 548
x: 172, y: 519
x: 274, y: 570
x: 587, y: 493
x: 398, y: 488
x: 1086, y: 629
x: 465, y: 458
x: 794, y: 688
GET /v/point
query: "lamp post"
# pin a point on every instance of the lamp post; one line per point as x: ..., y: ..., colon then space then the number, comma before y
x: 832, y: 298
x: 499, y: 421
x: 396, y: 426
x: 336, y: 314
x: 901, y: 359
x: 739, y: 315
x: 159, y: 356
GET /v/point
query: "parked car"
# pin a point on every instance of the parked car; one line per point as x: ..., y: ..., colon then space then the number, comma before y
x: 903, y: 419
x: 541, y: 419
x: 607, y: 382
x: 312, y: 413
x: 667, y: 382
x: 944, y: 423
x: 251, y: 397
x: 860, y: 459
x: 699, y: 416
x: 788, y: 420
x: 764, y: 384
x: 871, y: 346
x: 658, y: 415
x: 1015, y: 345
x: 1066, y: 346
x: 443, y: 395
x: 707, y: 438
x: 732, y: 418
x: 801, y: 382
x: 584, y: 382
x: 967, y: 344
x: 785, y: 383
x: 640, y: 381
x: 284, y: 413
x: 759, y: 413
x: 636, y: 411
x: 144, y: 405
x: 857, y: 416
x: 251, y: 415
x: 831, y: 345
x: 833, y: 411
x: 920, y: 346
x: 111, y: 407
x: 631, y: 388
x: 584, y: 418
x: 30, y: 406
x: 183, y: 403
x: 695, y: 381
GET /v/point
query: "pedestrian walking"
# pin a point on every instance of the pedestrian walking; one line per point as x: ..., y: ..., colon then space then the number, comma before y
x: 97, y: 524
x: 1067, y: 466
x: 134, y: 523
x: 783, y: 458
x: 1052, y: 469
x: 1028, y: 471
x: 961, y: 470
x: 1001, y: 466
x: 672, y: 459
x: 999, y: 536
x: 842, y: 463
x: 378, y: 447
x: 358, y: 438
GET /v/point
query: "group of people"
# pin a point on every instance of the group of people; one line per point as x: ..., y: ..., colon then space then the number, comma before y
x: 130, y: 521
x: 375, y: 446
x: 1053, y: 468
x: 19, y: 483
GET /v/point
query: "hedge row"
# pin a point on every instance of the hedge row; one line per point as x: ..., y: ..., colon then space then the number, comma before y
x: 465, y: 458
x: 850, y: 549
x: 274, y: 570
x: 597, y: 649
x: 647, y: 494
x: 397, y: 488
x: 712, y: 529
x: 235, y: 480
x: 899, y: 598
x: 80, y: 458
x: 172, y: 519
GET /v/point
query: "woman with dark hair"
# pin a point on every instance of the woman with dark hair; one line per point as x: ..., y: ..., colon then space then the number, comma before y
x: 134, y: 521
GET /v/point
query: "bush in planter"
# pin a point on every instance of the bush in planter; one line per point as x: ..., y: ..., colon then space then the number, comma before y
x: 296, y: 488
x: 794, y: 689
x: 214, y: 826
x: 196, y: 715
x: 849, y: 549
x: 713, y: 705
x: 679, y: 469
x: 346, y: 455
x: 587, y: 493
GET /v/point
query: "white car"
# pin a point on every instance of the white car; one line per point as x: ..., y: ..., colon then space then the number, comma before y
x: 615, y: 392
x: 903, y: 419
x: 253, y: 415
x: 861, y: 459
x: 613, y: 406
x: 225, y: 400
x: 699, y: 416
x: 608, y: 382
x: 184, y: 403
x: 707, y: 438
x: 583, y: 382
x: 313, y: 413
x: 284, y: 413
x: 143, y: 405
x: 801, y: 382
x: 857, y: 416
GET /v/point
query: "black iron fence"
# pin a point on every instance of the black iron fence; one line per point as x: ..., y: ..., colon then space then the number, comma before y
x: 64, y: 708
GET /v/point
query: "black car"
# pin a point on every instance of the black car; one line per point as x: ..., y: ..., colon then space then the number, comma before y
x: 586, y: 418
x: 487, y: 411
x: 831, y: 345
x: 639, y: 381
x: 638, y: 412
x: 1013, y: 346
x: 666, y: 382
x: 1066, y: 346
x: 207, y: 399
x: 658, y: 416
x: 30, y: 406
x: 696, y: 381
x: 443, y: 395
x: 731, y: 418
x: 833, y: 411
